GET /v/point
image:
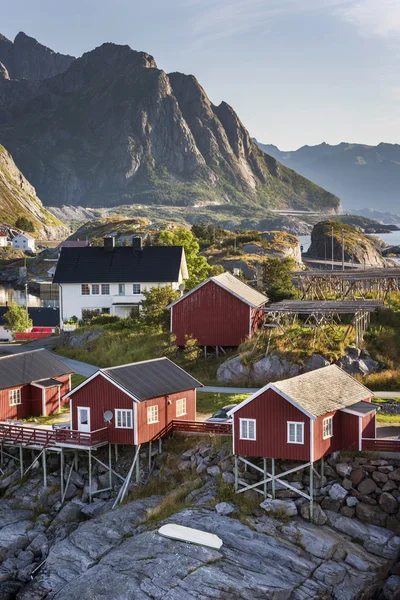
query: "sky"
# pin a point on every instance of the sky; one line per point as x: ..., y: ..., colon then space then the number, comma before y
x: 296, y: 72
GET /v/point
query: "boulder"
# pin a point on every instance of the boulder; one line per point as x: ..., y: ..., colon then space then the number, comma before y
x: 214, y: 470
x: 343, y: 469
x: 367, y: 486
x: 279, y: 507
x: 356, y: 476
x: 389, y: 486
x: 315, y: 361
x: 352, y: 501
x: 274, y: 367
x: 319, y: 517
x: 228, y: 477
x: 77, y: 479
x: 225, y: 508
x: 370, y: 514
x: 233, y: 371
x: 395, y: 475
x: 391, y: 589
x: 388, y: 503
x: 337, y: 492
x: 379, y: 477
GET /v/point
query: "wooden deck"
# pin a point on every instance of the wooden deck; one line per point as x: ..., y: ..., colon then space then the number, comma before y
x: 380, y: 445
x: 195, y: 427
x: 39, y: 437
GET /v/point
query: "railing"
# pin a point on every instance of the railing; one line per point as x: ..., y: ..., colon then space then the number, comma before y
x: 380, y: 445
x: 195, y: 427
x: 30, y: 436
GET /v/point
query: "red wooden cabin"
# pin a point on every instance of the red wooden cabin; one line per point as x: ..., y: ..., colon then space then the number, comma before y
x: 136, y: 402
x: 32, y: 383
x: 222, y: 311
x: 304, y: 418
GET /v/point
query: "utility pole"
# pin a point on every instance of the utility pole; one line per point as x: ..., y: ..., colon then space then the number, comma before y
x: 332, y: 248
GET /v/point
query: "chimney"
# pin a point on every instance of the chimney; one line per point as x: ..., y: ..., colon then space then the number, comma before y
x: 137, y: 244
x: 109, y: 244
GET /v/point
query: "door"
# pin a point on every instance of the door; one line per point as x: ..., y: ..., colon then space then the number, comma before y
x: 83, y: 419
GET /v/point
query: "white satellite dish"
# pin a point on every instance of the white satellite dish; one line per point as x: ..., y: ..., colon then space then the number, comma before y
x: 182, y: 287
x: 108, y: 415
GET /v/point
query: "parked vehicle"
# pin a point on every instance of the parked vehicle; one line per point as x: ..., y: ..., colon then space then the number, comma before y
x: 221, y: 416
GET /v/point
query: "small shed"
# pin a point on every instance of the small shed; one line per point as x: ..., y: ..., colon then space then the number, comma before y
x: 136, y: 402
x: 220, y: 312
x: 32, y: 383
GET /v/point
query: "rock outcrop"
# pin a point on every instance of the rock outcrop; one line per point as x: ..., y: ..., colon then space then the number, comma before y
x: 358, y: 248
x: 18, y: 199
x: 114, y: 129
x: 25, y: 58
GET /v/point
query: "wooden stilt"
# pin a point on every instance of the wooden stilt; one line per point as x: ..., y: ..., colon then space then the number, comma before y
x: 159, y: 446
x: 273, y: 478
x: 90, y: 475
x: 265, y: 476
x: 124, y: 487
x: 149, y: 457
x: 236, y: 474
x: 322, y: 468
x: 116, y: 452
x: 76, y: 460
x: 44, y: 469
x: 21, y: 460
x: 1, y: 455
x: 109, y: 466
x: 138, y: 468
x: 311, y: 493
x: 62, y: 473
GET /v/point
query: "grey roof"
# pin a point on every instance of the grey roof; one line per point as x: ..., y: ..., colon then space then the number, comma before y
x: 323, y: 390
x: 152, y: 378
x: 363, y: 408
x: 236, y: 287
x: 48, y: 382
x: 26, y: 367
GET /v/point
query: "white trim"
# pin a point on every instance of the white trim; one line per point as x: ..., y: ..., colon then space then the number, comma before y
x: 182, y: 414
x: 123, y: 410
x: 44, y: 406
x: 311, y: 441
x: 250, y: 309
x: 170, y: 322
x: 222, y: 287
x: 149, y: 408
x: 16, y: 389
x: 59, y: 399
x: 356, y: 413
x: 270, y: 386
x: 233, y: 435
x: 78, y: 408
x: 105, y: 377
x: 248, y: 439
x: 359, y: 434
x: 135, y: 424
x: 288, y: 424
x: 327, y: 437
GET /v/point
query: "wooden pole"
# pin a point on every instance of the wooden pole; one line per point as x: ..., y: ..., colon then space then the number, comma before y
x: 137, y: 468
x: 273, y: 478
x: 149, y: 456
x: 322, y: 468
x: 160, y: 446
x: 116, y: 452
x: 44, y: 468
x: 1, y: 454
x: 90, y: 475
x: 265, y: 476
x: 109, y: 466
x: 62, y: 473
x: 311, y: 493
x: 236, y: 474
x: 21, y: 460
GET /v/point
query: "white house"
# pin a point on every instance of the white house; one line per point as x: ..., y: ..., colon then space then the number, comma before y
x: 3, y: 240
x: 23, y: 241
x: 111, y: 280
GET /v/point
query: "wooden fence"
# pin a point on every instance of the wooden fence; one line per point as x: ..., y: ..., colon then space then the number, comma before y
x: 380, y: 445
x: 195, y: 427
x: 46, y: 438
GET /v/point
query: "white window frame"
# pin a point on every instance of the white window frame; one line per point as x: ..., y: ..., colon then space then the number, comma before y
x: 181, y: 407
x: 105, y: 286
x: 121, y: 289
x: 295, y: 423
x: 121, y: 415
x: 95, y: 289
x: 15, y: 397
x: 85, y: 286
x: 327, y: 423
x: 247, y: 437
x: 136, y: 286
x: 152, y: 414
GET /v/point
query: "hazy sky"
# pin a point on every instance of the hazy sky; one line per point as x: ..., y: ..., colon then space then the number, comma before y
x: 296, y: 71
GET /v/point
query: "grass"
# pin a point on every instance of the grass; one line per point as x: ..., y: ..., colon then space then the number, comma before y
x: 246, y: 503
x: 385, y: 418
x: 59, y: 417
x: 384, y: 400
x: 209, y: 402
x: 77, y: 379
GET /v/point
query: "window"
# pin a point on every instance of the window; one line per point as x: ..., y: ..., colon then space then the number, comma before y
x: 123, y: 419
x: 327, y: 427
x: 85, y: 289
x: 295, y: 432
x: 181, y: 407
x: 152, y: 414
x: 247, y: 429
x: 95, y: 289
x: 105, y: 311
x: 121, y: 289
x: 15, y: 397
x: 136, y: 288
x: 105, y: 289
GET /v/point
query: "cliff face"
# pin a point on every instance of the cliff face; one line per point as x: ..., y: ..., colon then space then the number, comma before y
x: 358, y: 247
x: 114, y: 129
x: 25, y: 58
x: 18, y: 199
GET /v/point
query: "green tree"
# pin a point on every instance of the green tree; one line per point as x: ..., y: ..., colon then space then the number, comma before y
x: 24, y: 224
x: 191, y: 350
x: 17, y: 318
x: 277, y: 278
x: 154, y: 306
x: 198, y: 266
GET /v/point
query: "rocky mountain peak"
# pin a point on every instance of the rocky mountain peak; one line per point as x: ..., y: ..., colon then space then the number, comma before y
x: 3, y: 72
x: 26, y: 58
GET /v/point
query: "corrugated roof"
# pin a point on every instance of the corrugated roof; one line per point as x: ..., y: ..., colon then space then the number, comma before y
x: 152, y: 378
x: 94, y: 264
x: 362, y: 408
x: 26, y: 367
x: 323, y: 390
x: 233, y: 285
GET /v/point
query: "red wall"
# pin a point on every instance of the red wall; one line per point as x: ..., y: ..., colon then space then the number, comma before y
x: 350, y: 431
x: 101, y: 395
x: 211, y: 315
x: 18, y: 411
x: 36, y: 401
x: 324, y: 447
x: 368, y: 426
x: 258, y: 319
x: 272, y: 413
x: 52, y: 400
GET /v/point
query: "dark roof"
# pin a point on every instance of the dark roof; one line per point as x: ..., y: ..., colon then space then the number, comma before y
x: 73, y: 244
x: 41, y: 316
x: 362, y: 408
x: 152, y: 378
x: 48, y: 382
x: 26, y: 367
x: 121, y: 264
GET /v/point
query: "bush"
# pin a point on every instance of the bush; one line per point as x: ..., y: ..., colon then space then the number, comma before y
x: 24, y: 224
x: 105, y: 319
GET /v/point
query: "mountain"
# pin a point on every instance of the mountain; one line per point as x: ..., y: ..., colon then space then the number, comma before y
x: 25, y: 58
x: 114, y: 129
x: 18, y: 199
x: 362, y: 176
